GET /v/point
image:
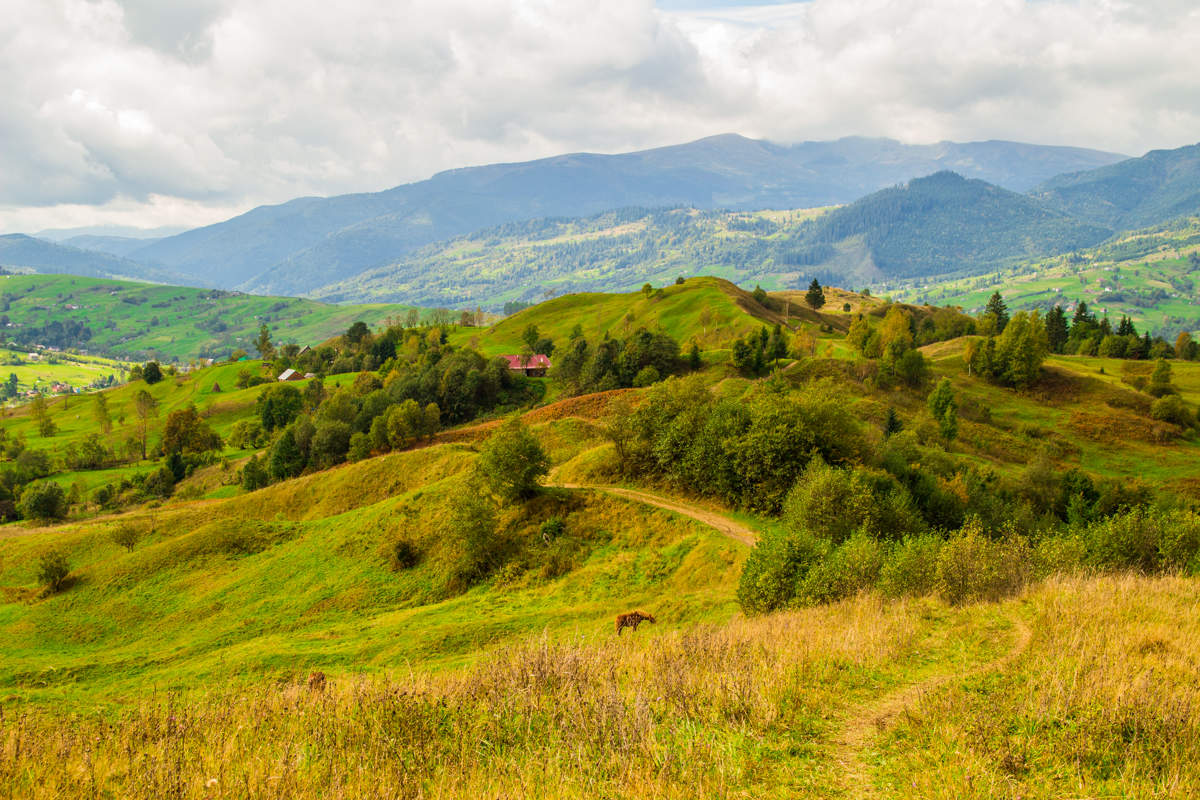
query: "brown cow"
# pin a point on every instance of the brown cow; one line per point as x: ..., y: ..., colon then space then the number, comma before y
x: 632, y: 620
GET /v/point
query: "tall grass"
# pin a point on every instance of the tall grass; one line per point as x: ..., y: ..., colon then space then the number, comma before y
x: 702, y: 713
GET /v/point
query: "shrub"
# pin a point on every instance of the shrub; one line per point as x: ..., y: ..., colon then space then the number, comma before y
x: 847, y: 570
x: 472, y: 525
x: 53, y: 569
x: 513, y: 461
x: 360, y: 447
x: 330, y: 443
x: 1179, y: 542
x: 1058, y: 555
x: 552, y: 529
x: 1125, y: 541
x: 125, y: 536
x: 405, y: 554
x: 775, y: 568
x: 43, y: 501
x: 972, y: 567
x: 160, y: 483
x: 1171, y: 408
x: 911, y: 568
x: 646, y: 376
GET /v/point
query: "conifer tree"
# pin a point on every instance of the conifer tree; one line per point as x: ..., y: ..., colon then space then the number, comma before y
x: 997, y: 308
x: 815, y: 296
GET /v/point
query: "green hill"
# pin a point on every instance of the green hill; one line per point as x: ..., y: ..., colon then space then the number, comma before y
x: 1137, y: 193
x: 138, y: 321
x: 938, y: 225
x: 914, y: 572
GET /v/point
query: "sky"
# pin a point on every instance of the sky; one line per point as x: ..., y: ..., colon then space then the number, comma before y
x: 147, y: 113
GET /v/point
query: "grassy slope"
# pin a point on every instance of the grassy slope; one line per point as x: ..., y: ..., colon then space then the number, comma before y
x: 238, y: 592
x: 710, y: 311
x: 75, y: 370
x: 128, y: 329
x: 1139, y: 262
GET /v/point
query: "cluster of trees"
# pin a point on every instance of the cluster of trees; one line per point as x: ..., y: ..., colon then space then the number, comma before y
x: 1086, y: 335
x: 645, y: 357
x: 1014, y: 358
x: 757, y: 353
x: 893, y: 343
x: 423, y: 386
x: 747, y: 451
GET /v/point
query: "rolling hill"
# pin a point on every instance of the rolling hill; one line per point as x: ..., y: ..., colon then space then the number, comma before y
x: 306, y: 243
x: 936, y: 225
x: 1160, y: 186
x: 137, y: 321
x: 18, y: 251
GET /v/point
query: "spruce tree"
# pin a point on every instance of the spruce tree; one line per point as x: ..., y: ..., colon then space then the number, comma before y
x: 997, y: 308
x: 1056, y: 329
x: 815, y: 296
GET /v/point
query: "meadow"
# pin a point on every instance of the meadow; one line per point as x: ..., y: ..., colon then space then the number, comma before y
x: 141, y: 321
x: 176, y: 661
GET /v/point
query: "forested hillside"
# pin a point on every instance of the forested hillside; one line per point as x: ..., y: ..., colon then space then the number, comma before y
x: 1140, y: 192
x: 412, y: 561
x: 138, y: 321
x: 942, y: 224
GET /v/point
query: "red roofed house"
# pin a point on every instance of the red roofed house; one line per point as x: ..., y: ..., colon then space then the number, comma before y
x: 291, y: 375
x: 534, y: 366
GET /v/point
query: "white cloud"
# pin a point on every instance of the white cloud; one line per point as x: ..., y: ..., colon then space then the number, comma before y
x: 119, y: 109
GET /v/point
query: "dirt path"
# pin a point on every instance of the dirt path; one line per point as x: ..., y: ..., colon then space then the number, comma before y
x: 861, y: 728
x: 723, y: 525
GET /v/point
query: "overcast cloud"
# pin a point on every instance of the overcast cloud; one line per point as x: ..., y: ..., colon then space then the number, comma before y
x: 141, y: 112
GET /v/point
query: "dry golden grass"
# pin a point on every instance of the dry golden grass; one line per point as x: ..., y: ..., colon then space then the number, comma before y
x: 1106, y: 703
x: 1102, y: 703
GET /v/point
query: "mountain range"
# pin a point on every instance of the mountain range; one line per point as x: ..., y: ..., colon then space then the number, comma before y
x: 1006, y: 200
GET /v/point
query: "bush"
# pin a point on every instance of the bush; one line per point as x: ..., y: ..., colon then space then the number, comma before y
x: 1171, y: 408
x: 125, y: 536
x: 254, y: 475
x: 43, y: 501
x: 646, y: 376
x: 847, y: 570
x: 552, y: 529
x: 405, y: 555
x: 472, y: 526
x: 972, y: 567
x: 1179, y: 543
x: 911, y: 569
x: 53, y: 569
x: 1125, y: 541
x: 513, y: 461
x: 1058, y: 555
x: 775, y: 568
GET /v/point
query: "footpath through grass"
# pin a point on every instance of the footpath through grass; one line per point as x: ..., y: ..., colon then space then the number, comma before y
x: 1099, y: 705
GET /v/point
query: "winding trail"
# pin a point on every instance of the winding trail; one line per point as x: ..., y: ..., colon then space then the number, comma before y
x: 722, y: 524
x: 859, y: 730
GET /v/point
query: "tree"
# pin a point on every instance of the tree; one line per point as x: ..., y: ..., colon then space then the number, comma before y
x: 357, y: 332
x: 53, y: 569
x: 187, y: 433
x: 815, y: 296
x: 760, y: 295
x: 944, y: 409
x: 1057, y: 332
x: 279, y: 404
x: 44, y: 501
x: 997, y: 308
x: 892, y: 424
x: 40, y: 413
x: 513, y: 462
x: 254, y: 475
x: 100, y: 412
x: 151, y: 372
x: 472, y: 524
x: 265, y: 349
x: 1184, y: 346
x: 145, y: 407
x: 126, y: 536
x: 286, y: 459
x: 1020, y: 350
x: 694, y: 360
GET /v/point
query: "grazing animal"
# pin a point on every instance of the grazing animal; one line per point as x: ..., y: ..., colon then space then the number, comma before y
x: 316, y: 682
x: 632, y: 620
